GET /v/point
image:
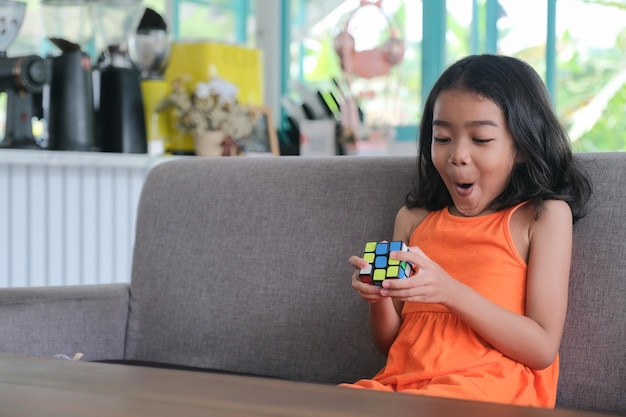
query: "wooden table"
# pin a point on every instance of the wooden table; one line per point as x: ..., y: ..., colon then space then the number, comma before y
x: 32, y: 387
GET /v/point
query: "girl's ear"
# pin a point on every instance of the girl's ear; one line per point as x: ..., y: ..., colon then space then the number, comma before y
x: 520, y: 158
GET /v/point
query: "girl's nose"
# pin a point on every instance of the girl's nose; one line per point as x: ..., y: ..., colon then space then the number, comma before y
x: 459, y: 153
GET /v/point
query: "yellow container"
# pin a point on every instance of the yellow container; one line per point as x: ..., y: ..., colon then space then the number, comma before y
x: 237, y: 64
x: 153, y: 91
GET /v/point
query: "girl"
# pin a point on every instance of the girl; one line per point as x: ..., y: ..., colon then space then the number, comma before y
x: 489, y: 226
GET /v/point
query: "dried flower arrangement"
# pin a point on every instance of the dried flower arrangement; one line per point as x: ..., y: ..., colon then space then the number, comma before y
x: 211, y: 106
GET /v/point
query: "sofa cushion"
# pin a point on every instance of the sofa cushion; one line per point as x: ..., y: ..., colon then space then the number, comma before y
x: 593, y: 349
x: 240, y: 264
x: 64, y: 320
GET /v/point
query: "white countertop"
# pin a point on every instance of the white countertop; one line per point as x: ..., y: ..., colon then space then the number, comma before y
x: 75, y: 158
x: 125, y: 160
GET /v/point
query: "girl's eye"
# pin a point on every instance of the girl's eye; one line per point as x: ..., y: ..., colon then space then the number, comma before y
x: 441, y: 140
x: 478, y: 140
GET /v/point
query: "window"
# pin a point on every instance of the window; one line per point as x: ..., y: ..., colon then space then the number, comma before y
x: 591, y: 75
x: 390, y: 99
x: 585, y: 74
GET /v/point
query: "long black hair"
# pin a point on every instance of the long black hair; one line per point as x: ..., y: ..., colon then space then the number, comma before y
x: 548, y: 169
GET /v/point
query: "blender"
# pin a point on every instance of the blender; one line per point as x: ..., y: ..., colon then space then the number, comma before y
x: 120, y: 114
x: 21, y: 81
x: 149, y: 50
x: 69, y: 109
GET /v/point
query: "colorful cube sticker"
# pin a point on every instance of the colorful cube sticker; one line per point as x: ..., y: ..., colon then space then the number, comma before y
x: 381, y: 266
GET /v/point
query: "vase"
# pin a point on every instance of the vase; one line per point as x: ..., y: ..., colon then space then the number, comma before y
x: 208, y: 142
x: 180, y: 142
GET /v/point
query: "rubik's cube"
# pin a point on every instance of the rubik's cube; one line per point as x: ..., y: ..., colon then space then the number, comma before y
x: 381, y: 266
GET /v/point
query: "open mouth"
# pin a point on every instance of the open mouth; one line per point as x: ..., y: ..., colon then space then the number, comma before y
x: 464, y: 189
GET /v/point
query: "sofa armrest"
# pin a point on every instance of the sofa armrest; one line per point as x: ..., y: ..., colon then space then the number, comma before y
x: 46, y: 321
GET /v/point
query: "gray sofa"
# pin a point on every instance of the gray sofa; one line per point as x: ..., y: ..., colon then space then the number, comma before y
x: 240, y: 265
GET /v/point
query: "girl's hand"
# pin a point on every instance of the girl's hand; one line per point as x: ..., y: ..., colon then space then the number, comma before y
x: 368, y: 292
x: 384, y: 312
x: 431, y: 283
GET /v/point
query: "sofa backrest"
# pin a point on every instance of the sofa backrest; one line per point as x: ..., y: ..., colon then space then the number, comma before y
x: 240, y: 265
x: 593, y: 348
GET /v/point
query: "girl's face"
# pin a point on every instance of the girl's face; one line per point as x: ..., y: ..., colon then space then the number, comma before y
x: 472, y: 149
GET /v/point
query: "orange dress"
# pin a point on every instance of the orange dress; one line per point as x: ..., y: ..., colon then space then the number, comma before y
x: 437, y: 354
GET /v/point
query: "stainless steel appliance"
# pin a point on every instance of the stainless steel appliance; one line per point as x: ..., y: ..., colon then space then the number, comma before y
x: 22, y: 80
x: 149, y: 50
x: 69, y: 109
x: 120, y: 115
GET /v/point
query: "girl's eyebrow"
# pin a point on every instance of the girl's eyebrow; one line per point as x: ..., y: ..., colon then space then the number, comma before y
x: 482, y: 123
x: 437, y: 122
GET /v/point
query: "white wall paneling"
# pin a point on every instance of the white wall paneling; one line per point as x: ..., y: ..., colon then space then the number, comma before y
x: 68, y: 217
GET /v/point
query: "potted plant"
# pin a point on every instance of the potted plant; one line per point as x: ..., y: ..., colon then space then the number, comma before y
x: 211, y: 113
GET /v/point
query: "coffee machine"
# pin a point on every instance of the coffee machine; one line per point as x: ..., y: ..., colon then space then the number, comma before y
x: 120, y: 114
x: 69, y: 109
x: 149, y: 50
x: 21, y: 80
